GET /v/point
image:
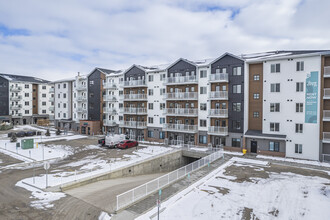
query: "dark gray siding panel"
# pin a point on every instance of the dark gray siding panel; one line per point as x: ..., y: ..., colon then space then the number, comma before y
x: 182, y: 67
x: 230, y: 62
x: 4, y: 96
x: 94, y: 97
x: 134, y: 73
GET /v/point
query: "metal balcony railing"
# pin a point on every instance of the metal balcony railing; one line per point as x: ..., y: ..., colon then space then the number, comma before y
x: 135, y: 111
x: 81, y: 110
x: 215, y: 130
x: 51, y: 90
x: 218, y: 95
x: 133, y: 124
x: 109, y: 123
x: 181, y: 80
x: 181, y: 111
x: 221, y: 113
x: 15, y: 88
x: 109, y: 110
x: 109, y: 98
x: 16, y: 98
x: 180, y: 128
x: 81, y: 87
x: 51, y: 108
x: 81, y: 98
x: 218, y: 77
x: 52, y: 99
x: 134, y: 83
x: 135, y: 97
x: 16, y: 107
x: 109, y: 85
x: 327, y: 71
x: 182, y: 95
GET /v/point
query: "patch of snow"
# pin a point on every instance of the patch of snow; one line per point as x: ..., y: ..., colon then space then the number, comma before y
x: 199, y: 149
x: 243, y: 160
x: 104, y: 216
x: 43, y: 200
x: 233, y: 153
x: 307, y: 162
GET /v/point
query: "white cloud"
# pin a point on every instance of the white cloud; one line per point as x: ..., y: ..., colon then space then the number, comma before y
x: 70, y: 36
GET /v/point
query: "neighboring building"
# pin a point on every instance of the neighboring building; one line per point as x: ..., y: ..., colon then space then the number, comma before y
x: 25, y: 99
x: 79, y: 100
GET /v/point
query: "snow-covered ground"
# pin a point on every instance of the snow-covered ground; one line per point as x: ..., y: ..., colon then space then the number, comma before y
x: 91, y: 166
x: 219, y: 195
x: 301, y: 161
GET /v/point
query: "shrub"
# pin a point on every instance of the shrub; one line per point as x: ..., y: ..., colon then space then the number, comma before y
x: 47, y: 133
x: 13, y: 138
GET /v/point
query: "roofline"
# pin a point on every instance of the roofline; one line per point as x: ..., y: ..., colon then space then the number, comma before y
x: 181, y: 59
x: 225, y: 54
x: 131, y: 67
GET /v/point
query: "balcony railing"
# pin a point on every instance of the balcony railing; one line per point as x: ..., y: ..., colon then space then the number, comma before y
x: 109, y: 98
x: 51, y: 108
x: 218, y: 77
x: 135, y: 83
x: 16, y: 98
x: 15, y: 88
x: 221, y: 113
x: 326, y: 137
x: 181, y: 80
x: 180, y: 128
x: 133, y: 124
x: 52, y: 99
x: 81, y: 87
x: 326, y: 94
x: 109, y: 110
x: 135, y: 97
x: 109, y: 85
x: 326, y: 115
x: 109, y: 123
x: 218, y: 95
x: 215, y: 130
x: 81, y: 110
x: 51, y: 90
x: 81, y: 98
x: 16, y: 107
x: 181, y: 111
x: 182, y: 95
x: 327, y: 71
x: 133, y: 111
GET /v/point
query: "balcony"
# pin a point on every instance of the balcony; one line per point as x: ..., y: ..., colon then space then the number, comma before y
x: 326, y: 71
x: 111, y: 111
x: 51, y: 90
x: 135, y: 111
x: 133, y: 124
x: 326, y: 137
x: 326, y: 115
x: 135, y: 97
x: 188, y: 112
x: 135, y: 83
x: 81, y: 98
x: 16, y: 98
x: 109, y: 85
x: 52, y: 99
x: 51, y: 108
x: 219, y: 113
x: 15, y: 107
x: 109, y: 123
x: 218, y: 77
x: 81, y: 110
x: 215, y: 130
x: 180, y: 128
x: 326, y: 94
x: 219, y: 95
x: 179, y: 80
x: 81, y: 87
x: 181, y: 96
x: 109, y: 98
x: 15, y: 88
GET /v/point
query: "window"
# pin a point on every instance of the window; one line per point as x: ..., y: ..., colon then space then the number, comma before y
x: 275, y: 87
x: 202, y: 90
x: 59, y: 86
x: 202, y: 123
x: 298, y: 148
x: 275, y: 68
x: 236, y: 142
x: 26, y: 86
x: 121, y: 118
x: 299, y: 87
x: 151, y: 106
x: 59, y: 105
x: 64, y: 115
x: 203, y: 106
x: 237, y: 107
x: 26, y: 94
x: 236, y: 125
x: 237, y: 89
x: 256, y: 95
x: 27, y: 111
x: 237, y: 71
x: 162, y: 135
x: 162, y: 91
x: 151, y: 78
x: 150, y: 120
x: 43, y: 111
x: 299, y: 107
x: 274, y: 126
x: 299, y: 128
x: 91, y: 82
x: 43, y: 103
x: 64, y: 105
x: 121, y: 92
x: 274, y: 146
x: 27, y: 103
x: 274, y: 107
x: 150, y: 134
x: 64, y: 95
x: 161, y: 120
x: 161, y: 106
x: 43, y: 95
x: 150, y: 92
x: 203, y: 73
x: 256, y: 77
x: 300, y: 66
x: 202, y: 139
x: 59, y: 96
x: 43, y: 87
x: 64, y: 85
x: 255, y: 114
x: 162, y: 77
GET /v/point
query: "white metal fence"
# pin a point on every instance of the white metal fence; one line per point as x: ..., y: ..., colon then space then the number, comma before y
x: 127, y: 198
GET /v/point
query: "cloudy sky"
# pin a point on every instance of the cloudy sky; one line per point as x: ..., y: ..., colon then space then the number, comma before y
x: 57, y: 39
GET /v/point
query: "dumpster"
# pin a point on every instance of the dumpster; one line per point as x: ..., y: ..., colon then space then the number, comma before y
x: 27, y: 143
x: 244, y: 151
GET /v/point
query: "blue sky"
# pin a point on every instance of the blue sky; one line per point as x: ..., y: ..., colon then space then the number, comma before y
x: 57, y: 39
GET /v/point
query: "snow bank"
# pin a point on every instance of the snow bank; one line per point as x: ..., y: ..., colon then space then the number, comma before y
x: 104, y: 216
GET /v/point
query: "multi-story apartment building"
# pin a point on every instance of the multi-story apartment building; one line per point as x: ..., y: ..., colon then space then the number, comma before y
x: 79, y: 100
x: 25, y: 99
x: 287, y: 104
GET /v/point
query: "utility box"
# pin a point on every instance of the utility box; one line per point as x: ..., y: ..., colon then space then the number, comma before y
x: 27, y: 143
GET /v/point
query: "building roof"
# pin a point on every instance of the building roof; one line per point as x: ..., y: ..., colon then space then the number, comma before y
x: 19, y: 78
x: 259, y: 134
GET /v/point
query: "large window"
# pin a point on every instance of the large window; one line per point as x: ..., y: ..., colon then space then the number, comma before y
x: 202, y: 123
x: 299, y: 107
x: 202, y: 90
x: 237, y: 107
x: 202, y: 139
x: 150, y: 106
x: 150, y: 120
x: 150, y: 92
x: 274, y: 146
x: 275, y: 68
x: 162, y: 135
x: 274, y: 126
x: 237, y: 89
x: 150, y: 134
x: 298, y: 148
x: 203, y: 73
x: 151, y: 78
x: 299, y: 128
x: 300, y: 66
x: 299, y: 87
x: 274, y: 107
x: 203, y: 106
x: 236, y: 125
x: 237, y: 71
x: 161, y: 120
x: 275, y: 87
x: 236, y: 142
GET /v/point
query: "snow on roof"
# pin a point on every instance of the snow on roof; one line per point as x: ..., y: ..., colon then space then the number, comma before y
x: 20, y: 78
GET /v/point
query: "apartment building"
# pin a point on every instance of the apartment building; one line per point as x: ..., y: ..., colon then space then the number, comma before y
x: 25, y: 99
x: 286, y: 104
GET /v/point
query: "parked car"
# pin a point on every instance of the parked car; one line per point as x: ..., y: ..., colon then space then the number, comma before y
x: 101, y: 141
x: 30, y: 133
x: 20, y: 134
x: 10, y: 134
x: 112, y: 141
x: 127, y: 144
